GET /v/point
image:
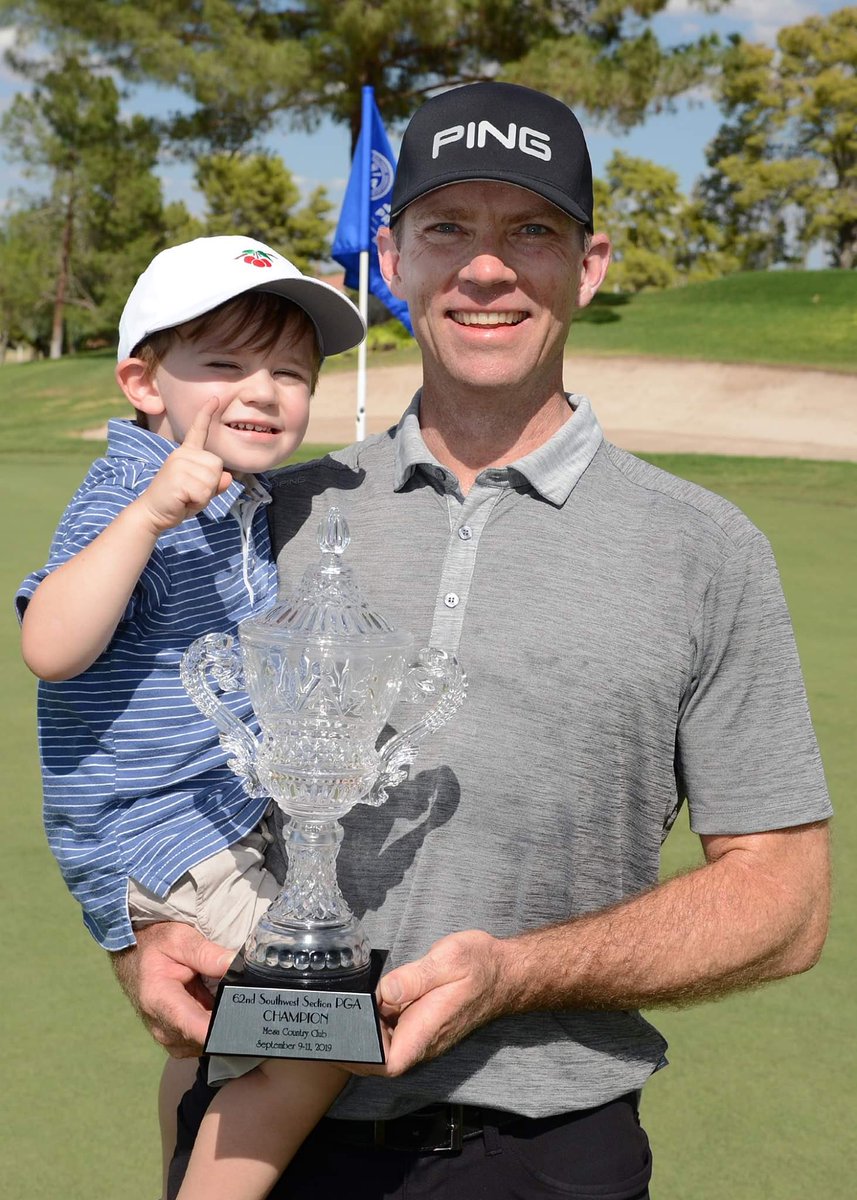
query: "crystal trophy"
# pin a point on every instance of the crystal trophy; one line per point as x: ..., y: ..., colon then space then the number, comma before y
x: 323, y: 671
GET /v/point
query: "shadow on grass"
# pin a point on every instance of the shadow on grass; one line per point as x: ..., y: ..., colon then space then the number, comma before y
x: 601, y: 311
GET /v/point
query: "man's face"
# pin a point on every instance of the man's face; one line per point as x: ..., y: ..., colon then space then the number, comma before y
x: 492, y: 274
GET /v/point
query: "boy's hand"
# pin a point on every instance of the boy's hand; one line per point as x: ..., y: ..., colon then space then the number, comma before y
x: 189, y: 478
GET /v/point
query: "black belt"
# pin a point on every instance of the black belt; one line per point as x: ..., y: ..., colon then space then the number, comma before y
x: 431, y: 1130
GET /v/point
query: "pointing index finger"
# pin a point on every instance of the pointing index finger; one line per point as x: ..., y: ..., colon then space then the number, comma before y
x: 199, y: 428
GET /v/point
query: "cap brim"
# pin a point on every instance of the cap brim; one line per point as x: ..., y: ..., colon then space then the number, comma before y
x: 337, y: 322
x: 555, y: 196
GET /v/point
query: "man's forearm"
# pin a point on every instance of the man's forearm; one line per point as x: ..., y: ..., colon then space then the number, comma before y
x: 756, y: 911
x: 727, y: 925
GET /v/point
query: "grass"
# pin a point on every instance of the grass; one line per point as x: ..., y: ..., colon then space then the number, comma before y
x: 79, y: 1072
x: 803, y: 318
x: 758, y: 1099
x: 756, y: 1102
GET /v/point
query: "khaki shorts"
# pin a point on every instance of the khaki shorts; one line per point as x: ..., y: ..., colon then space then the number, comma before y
x: 223, y: 896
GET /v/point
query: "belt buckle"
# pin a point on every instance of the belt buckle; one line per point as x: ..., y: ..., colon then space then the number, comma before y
x: 451, y: 1142
x: 454, y: 1129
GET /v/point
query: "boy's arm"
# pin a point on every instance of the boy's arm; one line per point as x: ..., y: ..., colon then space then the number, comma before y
x: 74, y: 612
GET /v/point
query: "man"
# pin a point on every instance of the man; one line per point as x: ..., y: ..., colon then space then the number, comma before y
x: 627, y: 647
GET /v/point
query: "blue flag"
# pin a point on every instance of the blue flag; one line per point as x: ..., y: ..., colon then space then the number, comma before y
x: 366, y: 207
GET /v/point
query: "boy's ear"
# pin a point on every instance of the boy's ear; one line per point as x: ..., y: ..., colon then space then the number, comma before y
x: 140, y: 388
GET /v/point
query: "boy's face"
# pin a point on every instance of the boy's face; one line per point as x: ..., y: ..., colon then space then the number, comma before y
x: 264, y: 395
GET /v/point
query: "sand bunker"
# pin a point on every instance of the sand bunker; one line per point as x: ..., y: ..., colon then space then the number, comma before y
x: 652, y: 405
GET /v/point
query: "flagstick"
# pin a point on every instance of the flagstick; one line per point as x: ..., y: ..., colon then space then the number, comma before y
x: 359, y: 220
x: 363, y: 305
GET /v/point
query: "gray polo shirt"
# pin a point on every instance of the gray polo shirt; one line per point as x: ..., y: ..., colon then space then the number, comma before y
x: 627, y: 646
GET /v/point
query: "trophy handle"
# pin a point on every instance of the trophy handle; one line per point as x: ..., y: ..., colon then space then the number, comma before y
x: 220, y: 654
x: 435, y: 673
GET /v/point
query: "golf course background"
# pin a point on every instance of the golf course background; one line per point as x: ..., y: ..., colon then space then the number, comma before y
x: 759, y: 1099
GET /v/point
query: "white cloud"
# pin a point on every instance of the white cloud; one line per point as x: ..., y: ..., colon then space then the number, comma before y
x: 757, y: 20
x: 9, y: 80
x: 765, y: 18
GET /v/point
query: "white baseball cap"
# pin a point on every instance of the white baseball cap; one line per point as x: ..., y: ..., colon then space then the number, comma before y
x: 186, y: 281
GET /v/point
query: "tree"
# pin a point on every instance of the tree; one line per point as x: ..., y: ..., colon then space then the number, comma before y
x: 638, y: 203
x: 54, y: 130
x: 784, y: 165
x: 818, y: 66
x: 256, y: 194
x: 748, y: 192
x: 180, y: 225
x: 660, y: 238
x: 101, y: 219
x: 25, y: 300
x: 123, y: 228
x: 244, y: 63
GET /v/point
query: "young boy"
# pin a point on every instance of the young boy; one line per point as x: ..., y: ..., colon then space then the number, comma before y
x: 220, y: 345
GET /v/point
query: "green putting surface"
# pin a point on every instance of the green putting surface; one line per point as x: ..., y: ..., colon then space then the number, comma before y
x: 759, y: 1096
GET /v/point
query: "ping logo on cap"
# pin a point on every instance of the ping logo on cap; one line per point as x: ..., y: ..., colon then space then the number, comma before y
x: 475, y: 134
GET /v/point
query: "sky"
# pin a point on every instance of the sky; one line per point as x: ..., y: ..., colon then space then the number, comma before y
x: 676, y: 140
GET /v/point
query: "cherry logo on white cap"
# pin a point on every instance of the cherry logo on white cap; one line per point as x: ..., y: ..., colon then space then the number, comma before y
x: 256, y: 258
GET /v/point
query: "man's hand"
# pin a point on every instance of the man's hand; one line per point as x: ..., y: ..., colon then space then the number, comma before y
x: 161, y: 978
x: 190, y: 478
x: 431, y: 1004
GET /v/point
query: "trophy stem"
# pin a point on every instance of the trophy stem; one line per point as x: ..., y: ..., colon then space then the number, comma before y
x: 309, y: 929
x: 311, y: 892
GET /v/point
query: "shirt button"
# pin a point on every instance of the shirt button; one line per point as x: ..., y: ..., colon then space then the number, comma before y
x: 465, y: 533
x: 451, y: 600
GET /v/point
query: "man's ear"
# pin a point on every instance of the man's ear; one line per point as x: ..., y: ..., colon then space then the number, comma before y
x: 388, y: 259
x: 140, y: 387
x: 596, y: 260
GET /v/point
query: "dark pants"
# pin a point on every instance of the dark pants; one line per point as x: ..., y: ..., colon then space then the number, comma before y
x: 598, y: 1154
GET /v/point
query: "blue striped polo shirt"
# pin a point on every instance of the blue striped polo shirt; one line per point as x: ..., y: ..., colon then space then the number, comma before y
x: 135, y: 780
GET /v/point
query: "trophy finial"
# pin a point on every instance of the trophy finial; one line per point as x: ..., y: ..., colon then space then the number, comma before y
x: 333, y: 534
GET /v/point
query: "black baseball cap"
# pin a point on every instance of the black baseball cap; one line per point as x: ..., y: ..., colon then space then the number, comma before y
x: 496, y: 131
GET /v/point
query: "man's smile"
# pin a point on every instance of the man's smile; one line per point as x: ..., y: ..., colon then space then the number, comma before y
x: 464, y: 317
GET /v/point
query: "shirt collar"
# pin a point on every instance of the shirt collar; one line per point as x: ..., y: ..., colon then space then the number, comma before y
x: 125, y: 439
x: 552, y: 469
x: 411, y: 451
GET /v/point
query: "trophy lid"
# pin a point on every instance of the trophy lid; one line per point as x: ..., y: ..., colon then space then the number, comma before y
x: 328, y: 603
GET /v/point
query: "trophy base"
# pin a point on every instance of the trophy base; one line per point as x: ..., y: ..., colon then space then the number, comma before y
x: 262, y: 1016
